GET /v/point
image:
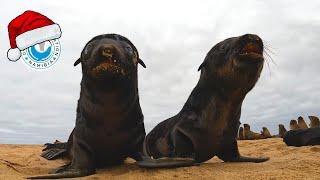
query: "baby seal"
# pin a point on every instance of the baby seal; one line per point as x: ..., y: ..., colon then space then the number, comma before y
x: 302, y: 137
x: 240, y: 136
x: 301, y: 123
x: 250, y: 135
x: 282, y: 130
x: 109, y: 122
x: 208, y: 123
x: 314, y: 122
x: 293, y: 124
x: 265, y: 132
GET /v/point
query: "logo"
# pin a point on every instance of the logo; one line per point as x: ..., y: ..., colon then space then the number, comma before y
x: 42, y: 55
x: 34, y: 38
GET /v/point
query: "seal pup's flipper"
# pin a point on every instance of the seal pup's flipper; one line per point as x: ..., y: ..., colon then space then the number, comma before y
x: 166, y: 162
x: 229, y: 151
x: 65, y: 174
x: 54, y: 151
x: 250, y: 159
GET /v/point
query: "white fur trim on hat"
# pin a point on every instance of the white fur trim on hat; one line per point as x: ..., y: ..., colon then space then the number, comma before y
x: 14, y: 54
x: 38, y: 35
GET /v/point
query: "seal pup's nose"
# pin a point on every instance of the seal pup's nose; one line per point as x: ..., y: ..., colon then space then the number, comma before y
x: 107, y: 51
x: 251, y: 38
x: 251, y: 43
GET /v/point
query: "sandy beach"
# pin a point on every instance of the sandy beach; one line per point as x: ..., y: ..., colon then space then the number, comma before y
x: 20, y: 161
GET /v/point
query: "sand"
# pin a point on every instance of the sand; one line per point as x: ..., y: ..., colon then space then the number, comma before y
x: 20, y: 161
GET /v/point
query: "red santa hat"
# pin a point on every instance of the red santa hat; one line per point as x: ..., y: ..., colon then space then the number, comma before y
x: 28, y: 29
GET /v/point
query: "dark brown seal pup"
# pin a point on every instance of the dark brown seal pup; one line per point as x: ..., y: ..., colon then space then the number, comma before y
x: 240, y: 134
x: 250, y: 135
x: 314, y: 122
x: 294, y: 124
x: 301, y: 123
x: 265, y: 133
x: 302, y: 137
x: 282, y: 130
x: 208, y: 123
x: 109, y: 123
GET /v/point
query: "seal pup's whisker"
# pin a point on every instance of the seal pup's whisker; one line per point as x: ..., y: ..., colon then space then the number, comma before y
x: 267, y: 53
x: 268, y: 50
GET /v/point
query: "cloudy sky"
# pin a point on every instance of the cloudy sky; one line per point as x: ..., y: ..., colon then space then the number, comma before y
x: 173, y: 38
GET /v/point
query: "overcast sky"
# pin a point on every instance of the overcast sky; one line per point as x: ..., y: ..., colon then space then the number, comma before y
x: 173, y: 38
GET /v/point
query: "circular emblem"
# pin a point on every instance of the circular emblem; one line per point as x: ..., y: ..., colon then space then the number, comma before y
x: 42, y: 55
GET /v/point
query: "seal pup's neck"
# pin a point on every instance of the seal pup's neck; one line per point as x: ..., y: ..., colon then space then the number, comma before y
x: 113, y: 98
x: 214, y: 103
x: 118, y: 87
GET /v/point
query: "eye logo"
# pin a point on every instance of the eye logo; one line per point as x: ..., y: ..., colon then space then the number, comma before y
x: 42, y: 55
x: 38, y: 52
x: 35, y: 38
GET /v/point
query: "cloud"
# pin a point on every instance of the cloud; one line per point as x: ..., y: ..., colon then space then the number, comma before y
x: 173, y: 39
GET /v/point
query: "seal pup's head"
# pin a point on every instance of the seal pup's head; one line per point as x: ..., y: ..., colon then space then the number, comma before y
x: 246, y: 128
x: 301, y: 123
x: 109, y: 57
x: 235, y: 63
x: 294, y: 124
x: 282, y: 130
x: 265, y: 132
x: 240, y: 134
x: 314, y: 122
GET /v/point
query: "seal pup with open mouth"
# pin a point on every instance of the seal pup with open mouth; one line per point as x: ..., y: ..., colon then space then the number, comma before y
x: 208, y: 123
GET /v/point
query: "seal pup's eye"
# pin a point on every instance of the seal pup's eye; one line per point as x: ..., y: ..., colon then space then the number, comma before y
x: 129, y: 50
x: 222, y: 47
x: 84, y: 54
x: 87, y: 49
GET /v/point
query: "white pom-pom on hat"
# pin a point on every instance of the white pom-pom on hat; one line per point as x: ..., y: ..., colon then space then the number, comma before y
x: 14, y: 54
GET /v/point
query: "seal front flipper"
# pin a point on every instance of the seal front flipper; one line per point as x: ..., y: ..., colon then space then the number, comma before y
x: 229, y: 152
x: 63, y: 172
x: 166, y: 162
x: 175, y: 150
x: 240, y: 158
x: 66, y: 174
x: 59, y: 169
x: 250, y: 159
x: 81, y: 165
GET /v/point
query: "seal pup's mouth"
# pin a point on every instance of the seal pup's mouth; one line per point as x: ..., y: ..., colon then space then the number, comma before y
x: 109, y: 64
x: 251, y: 53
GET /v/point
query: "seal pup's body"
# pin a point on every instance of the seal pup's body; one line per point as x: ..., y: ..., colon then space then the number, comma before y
x: 294, y: 124
x: 301, y: 123
x: 302, y: 137
x: 109, y: 122
x: 208, y: 123
x: 282, y: 130
x: 314, y: 122
x: 240, y: 136
x: 250, y: 135
x: 265, y: 133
